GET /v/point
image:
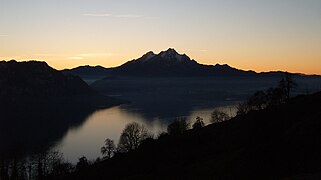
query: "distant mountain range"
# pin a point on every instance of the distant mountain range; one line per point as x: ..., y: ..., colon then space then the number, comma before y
x: 165, y: 64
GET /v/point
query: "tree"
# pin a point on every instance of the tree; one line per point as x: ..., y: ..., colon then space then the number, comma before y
x: 287, y: 84
x: 219, y: 116
x: 131, y: 137
x: 199, y: 123
x: 45, y: 162
x: 82, y: 163
x: 178, y: 126
x: 275, y: 96
x: 61, y: 170
x: 109, y: 149
x: 258, y: 101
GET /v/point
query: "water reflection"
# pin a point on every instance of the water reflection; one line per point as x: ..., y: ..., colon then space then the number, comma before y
x: 108, y: 123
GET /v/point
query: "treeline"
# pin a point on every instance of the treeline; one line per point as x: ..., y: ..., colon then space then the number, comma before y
x: 40, y: 166
x: 270, y: 97
x: 135, y: 134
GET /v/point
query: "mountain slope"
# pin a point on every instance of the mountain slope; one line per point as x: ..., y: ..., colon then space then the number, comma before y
x: 33, y: 81
x: 171, y: 63
x: 165, y: 64
x: 38, y: 104
x: 274, y: 143
x: 37, y: 79
x: 87, y: 71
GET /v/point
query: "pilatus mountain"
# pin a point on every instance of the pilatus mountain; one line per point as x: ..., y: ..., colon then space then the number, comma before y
x: 165, y: 64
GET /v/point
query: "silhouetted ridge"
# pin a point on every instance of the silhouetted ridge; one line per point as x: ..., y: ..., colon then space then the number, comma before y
x: 167, y: 63
x: 36, y: 79
x: 87, y: 71
x: 38, y: 104
x: 171, y: 63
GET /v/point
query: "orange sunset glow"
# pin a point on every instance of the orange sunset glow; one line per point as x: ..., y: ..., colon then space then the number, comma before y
x: 249, y: 35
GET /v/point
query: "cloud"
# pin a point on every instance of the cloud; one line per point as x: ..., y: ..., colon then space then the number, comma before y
x: 89, y: 55
x: 44, y: 54
x: 76, y: 58
x: 113, y: 15
x: 95, y: 54
x: 97, y: 15
x: 129, y: 16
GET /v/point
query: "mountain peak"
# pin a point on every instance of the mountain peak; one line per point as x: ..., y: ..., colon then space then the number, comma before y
x: 169, y: 52
x: 148, y: 56
x: 172, y: 54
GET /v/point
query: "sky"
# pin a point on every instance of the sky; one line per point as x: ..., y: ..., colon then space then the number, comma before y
x: 260, y: 35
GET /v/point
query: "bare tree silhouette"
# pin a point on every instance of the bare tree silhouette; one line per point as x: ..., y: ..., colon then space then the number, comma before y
x: 178, y: 126
x: 287, y: 84
x: 109, y: 148
x: 131, y: 137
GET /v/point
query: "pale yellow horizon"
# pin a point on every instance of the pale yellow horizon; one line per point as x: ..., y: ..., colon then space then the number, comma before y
x: 202, y: 56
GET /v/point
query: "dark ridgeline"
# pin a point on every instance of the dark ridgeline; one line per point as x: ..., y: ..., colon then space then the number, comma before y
x: 34, y: 79
x: 87, y: 71
x: 281, y: 141
x: 38, y: 104
x: 165, y: 64
x: 168, y: 63
x: 172, y: 64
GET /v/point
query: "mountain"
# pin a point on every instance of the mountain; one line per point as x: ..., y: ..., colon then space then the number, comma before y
x: 38, y: 105
x: 34, y: 81
x: 167, y: 63
x: 171, y: 63
x: 37, y: 79
x: 87, y: 71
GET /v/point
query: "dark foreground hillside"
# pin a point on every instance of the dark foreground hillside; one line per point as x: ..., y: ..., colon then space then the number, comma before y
x: 275, y: 143
x: 38, y: 104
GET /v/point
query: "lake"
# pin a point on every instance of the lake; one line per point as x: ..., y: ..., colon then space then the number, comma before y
x: 155, y: 102
x: 87, y: 139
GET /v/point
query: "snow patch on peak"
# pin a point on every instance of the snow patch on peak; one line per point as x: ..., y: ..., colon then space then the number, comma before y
x: 171, y: 50
x: 148, y: 56
x: 170, y: 53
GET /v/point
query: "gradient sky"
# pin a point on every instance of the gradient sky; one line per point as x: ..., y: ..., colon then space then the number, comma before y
x: 261, y: 35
